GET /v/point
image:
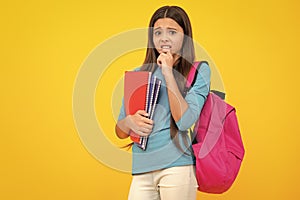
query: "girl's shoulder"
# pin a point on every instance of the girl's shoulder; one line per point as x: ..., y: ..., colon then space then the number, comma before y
x: 203, y: 75
x: 203, y: 66
x: 136, y: 69
x: 204, y: 69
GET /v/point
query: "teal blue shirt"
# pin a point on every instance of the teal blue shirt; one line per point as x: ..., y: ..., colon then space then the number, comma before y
x: 161, y: 152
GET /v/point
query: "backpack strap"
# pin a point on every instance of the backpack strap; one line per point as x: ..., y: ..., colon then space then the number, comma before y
x: 191, y: 78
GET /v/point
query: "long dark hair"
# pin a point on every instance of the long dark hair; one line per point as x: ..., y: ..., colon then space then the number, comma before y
x: 182, y: 65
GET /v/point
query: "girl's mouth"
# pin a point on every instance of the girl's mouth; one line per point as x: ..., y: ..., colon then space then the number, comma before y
x: 165, y: 47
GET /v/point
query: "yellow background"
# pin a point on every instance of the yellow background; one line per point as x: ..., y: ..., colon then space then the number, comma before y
x: 254, y: 44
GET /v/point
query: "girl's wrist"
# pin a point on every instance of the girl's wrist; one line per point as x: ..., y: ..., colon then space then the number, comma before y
x: 126, y: 124
x: 168, y: 74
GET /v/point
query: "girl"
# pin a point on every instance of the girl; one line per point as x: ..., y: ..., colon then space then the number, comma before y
x: 165, y: 170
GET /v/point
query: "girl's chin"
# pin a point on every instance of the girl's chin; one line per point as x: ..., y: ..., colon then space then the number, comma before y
x: 165, y: 51
x: 168, y: 50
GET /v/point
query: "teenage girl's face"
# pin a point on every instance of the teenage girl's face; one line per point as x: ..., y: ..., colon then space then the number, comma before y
x: 167, y: 36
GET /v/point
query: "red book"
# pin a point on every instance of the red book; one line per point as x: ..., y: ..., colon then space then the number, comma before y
x: 135, y: 95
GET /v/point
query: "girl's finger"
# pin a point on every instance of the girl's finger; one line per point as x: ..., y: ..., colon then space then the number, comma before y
x: 141, y: 133
x: 161, y: 59
x: 158, y: 62
x: 148, y: 127
x: 169, y: 54
x: 142, y: 113
x: 147, y: 121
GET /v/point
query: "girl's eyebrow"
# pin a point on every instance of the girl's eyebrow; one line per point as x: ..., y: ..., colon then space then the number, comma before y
x: 170, y: 28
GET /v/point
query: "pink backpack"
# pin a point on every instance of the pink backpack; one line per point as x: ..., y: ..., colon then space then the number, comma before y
x: 219, y: 149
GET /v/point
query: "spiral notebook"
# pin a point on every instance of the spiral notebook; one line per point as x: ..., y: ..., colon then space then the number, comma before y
x: 141, y: 91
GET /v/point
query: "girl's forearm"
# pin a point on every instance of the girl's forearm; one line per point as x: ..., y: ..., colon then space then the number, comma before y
x: 121, y: 129
x: 178, y: 105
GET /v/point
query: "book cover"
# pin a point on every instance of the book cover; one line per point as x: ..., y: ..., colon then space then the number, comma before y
x: 135, y: 90
x: 141, y: 91
x: 135, y: 94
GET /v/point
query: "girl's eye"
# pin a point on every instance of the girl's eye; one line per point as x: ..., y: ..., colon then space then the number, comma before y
x: 172, y: 32
x: 157, y: 33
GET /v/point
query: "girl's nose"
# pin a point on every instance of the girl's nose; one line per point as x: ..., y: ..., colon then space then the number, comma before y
x: 164, y: 40
x: 164, y: 37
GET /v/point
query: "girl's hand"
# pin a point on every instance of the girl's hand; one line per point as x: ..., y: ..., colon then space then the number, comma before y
x: 139, y: 123
x: 166, y: 61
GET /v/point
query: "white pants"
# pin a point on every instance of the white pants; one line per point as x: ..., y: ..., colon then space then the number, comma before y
x: 166, y: 184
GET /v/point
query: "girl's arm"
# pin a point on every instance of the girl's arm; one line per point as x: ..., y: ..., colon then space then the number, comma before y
x: 178, y: 105
x: 121, y: 129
